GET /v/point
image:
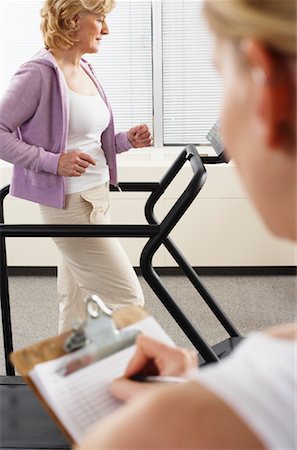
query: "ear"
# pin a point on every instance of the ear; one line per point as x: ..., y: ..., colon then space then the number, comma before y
x: 76, y: 21
x: 275, y: 93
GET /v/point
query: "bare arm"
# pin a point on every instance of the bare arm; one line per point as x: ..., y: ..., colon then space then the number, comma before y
x: 287, y: 331
x: 167, y: 417
x: 185, y: 416
x: 182, y: 417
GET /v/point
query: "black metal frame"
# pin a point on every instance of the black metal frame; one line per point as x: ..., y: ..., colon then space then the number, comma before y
x: 157, y: 234
x: 207, y: 353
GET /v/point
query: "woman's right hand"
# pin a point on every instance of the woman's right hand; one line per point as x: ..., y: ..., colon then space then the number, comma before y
x: 74, y: 163
x: 152, y: 358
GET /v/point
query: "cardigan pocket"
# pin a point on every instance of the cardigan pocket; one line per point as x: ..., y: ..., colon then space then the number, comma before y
x: 40, y: 179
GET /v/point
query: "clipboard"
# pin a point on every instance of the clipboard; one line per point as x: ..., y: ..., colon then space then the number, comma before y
x: 100, y: 323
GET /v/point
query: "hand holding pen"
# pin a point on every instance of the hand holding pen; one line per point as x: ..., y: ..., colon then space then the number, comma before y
x: 153, y: 361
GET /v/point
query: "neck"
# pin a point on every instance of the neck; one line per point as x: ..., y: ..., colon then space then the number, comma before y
x: 69, y: 58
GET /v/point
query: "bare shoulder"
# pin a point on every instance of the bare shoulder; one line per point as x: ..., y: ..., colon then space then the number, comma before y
x: 287, y: 331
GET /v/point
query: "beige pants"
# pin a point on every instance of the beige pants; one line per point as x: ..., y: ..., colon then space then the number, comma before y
x: 90, y: 265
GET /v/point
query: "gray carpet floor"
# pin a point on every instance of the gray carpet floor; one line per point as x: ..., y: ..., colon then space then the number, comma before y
x: 252, y: 303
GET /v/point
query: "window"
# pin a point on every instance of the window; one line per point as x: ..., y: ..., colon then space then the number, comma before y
x: 191, y: 89
x: 20, y: 37
x: 155, y: 65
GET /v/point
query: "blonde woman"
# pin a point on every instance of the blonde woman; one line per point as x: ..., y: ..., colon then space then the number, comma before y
x: 56, y: 127
x: 249, y: 400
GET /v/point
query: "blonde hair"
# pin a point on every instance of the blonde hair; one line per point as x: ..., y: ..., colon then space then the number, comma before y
x: 271, y: 21
x: 57, y: 19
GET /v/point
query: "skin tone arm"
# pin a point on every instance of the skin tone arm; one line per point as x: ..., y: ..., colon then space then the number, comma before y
x: 201, y: 420
x: 183, y: 417
x: 190, y: 425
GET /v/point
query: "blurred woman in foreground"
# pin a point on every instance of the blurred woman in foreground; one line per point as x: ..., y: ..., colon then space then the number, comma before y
x: 249, y: 400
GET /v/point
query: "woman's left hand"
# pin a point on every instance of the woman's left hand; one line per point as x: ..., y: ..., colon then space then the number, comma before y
x: 140, y: 136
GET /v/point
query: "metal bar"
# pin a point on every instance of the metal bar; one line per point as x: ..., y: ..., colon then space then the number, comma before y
x: 214, y: 159
x: 175, y: 213
x: 203, y: 291
x: 170, y: 221
x: 160, y: 290
x: 5, y: 309
x: 78, y: 230
x: 167, y: 224
x: 135, y: 187
x: 4, y: 293
x: 3, y: 192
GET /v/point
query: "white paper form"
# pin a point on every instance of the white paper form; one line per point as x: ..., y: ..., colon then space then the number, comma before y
x: 83, y: 397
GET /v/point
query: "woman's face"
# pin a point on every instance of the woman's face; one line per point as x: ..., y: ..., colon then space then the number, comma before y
x: 269, y: 174
x: 92, y: 27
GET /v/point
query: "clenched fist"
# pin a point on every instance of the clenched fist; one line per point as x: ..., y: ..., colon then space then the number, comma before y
x: 140, y: 136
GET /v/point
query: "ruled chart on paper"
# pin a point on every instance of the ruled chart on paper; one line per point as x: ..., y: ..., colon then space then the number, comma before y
x: 83, y: 397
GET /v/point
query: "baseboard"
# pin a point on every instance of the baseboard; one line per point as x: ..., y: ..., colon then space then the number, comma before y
x: 32, y: 271
x: 172, y: 271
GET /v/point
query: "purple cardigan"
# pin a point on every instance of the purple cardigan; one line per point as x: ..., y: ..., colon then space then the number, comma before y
x: 34, y: 126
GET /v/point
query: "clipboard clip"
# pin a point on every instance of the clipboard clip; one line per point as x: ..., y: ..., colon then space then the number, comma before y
x: 97, y: 337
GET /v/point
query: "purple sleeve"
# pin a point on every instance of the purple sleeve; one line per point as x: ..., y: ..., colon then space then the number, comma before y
x: 122, y: 142
x: 17, y: 106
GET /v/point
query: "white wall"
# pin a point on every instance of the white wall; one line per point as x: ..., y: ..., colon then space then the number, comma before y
x: 220, y: 228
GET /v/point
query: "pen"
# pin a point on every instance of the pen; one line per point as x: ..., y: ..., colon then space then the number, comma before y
x: 158, y: 379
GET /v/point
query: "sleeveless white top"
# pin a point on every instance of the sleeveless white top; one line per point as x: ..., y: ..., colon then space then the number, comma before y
x: 88, y: 118
x: 259, y: 382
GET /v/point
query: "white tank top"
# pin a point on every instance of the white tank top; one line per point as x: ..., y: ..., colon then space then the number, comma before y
x: 259, y: 382
x: 88, y: 118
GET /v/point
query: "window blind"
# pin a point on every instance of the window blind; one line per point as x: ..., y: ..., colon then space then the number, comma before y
x: 191, y: 87
x: 20, y: 36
